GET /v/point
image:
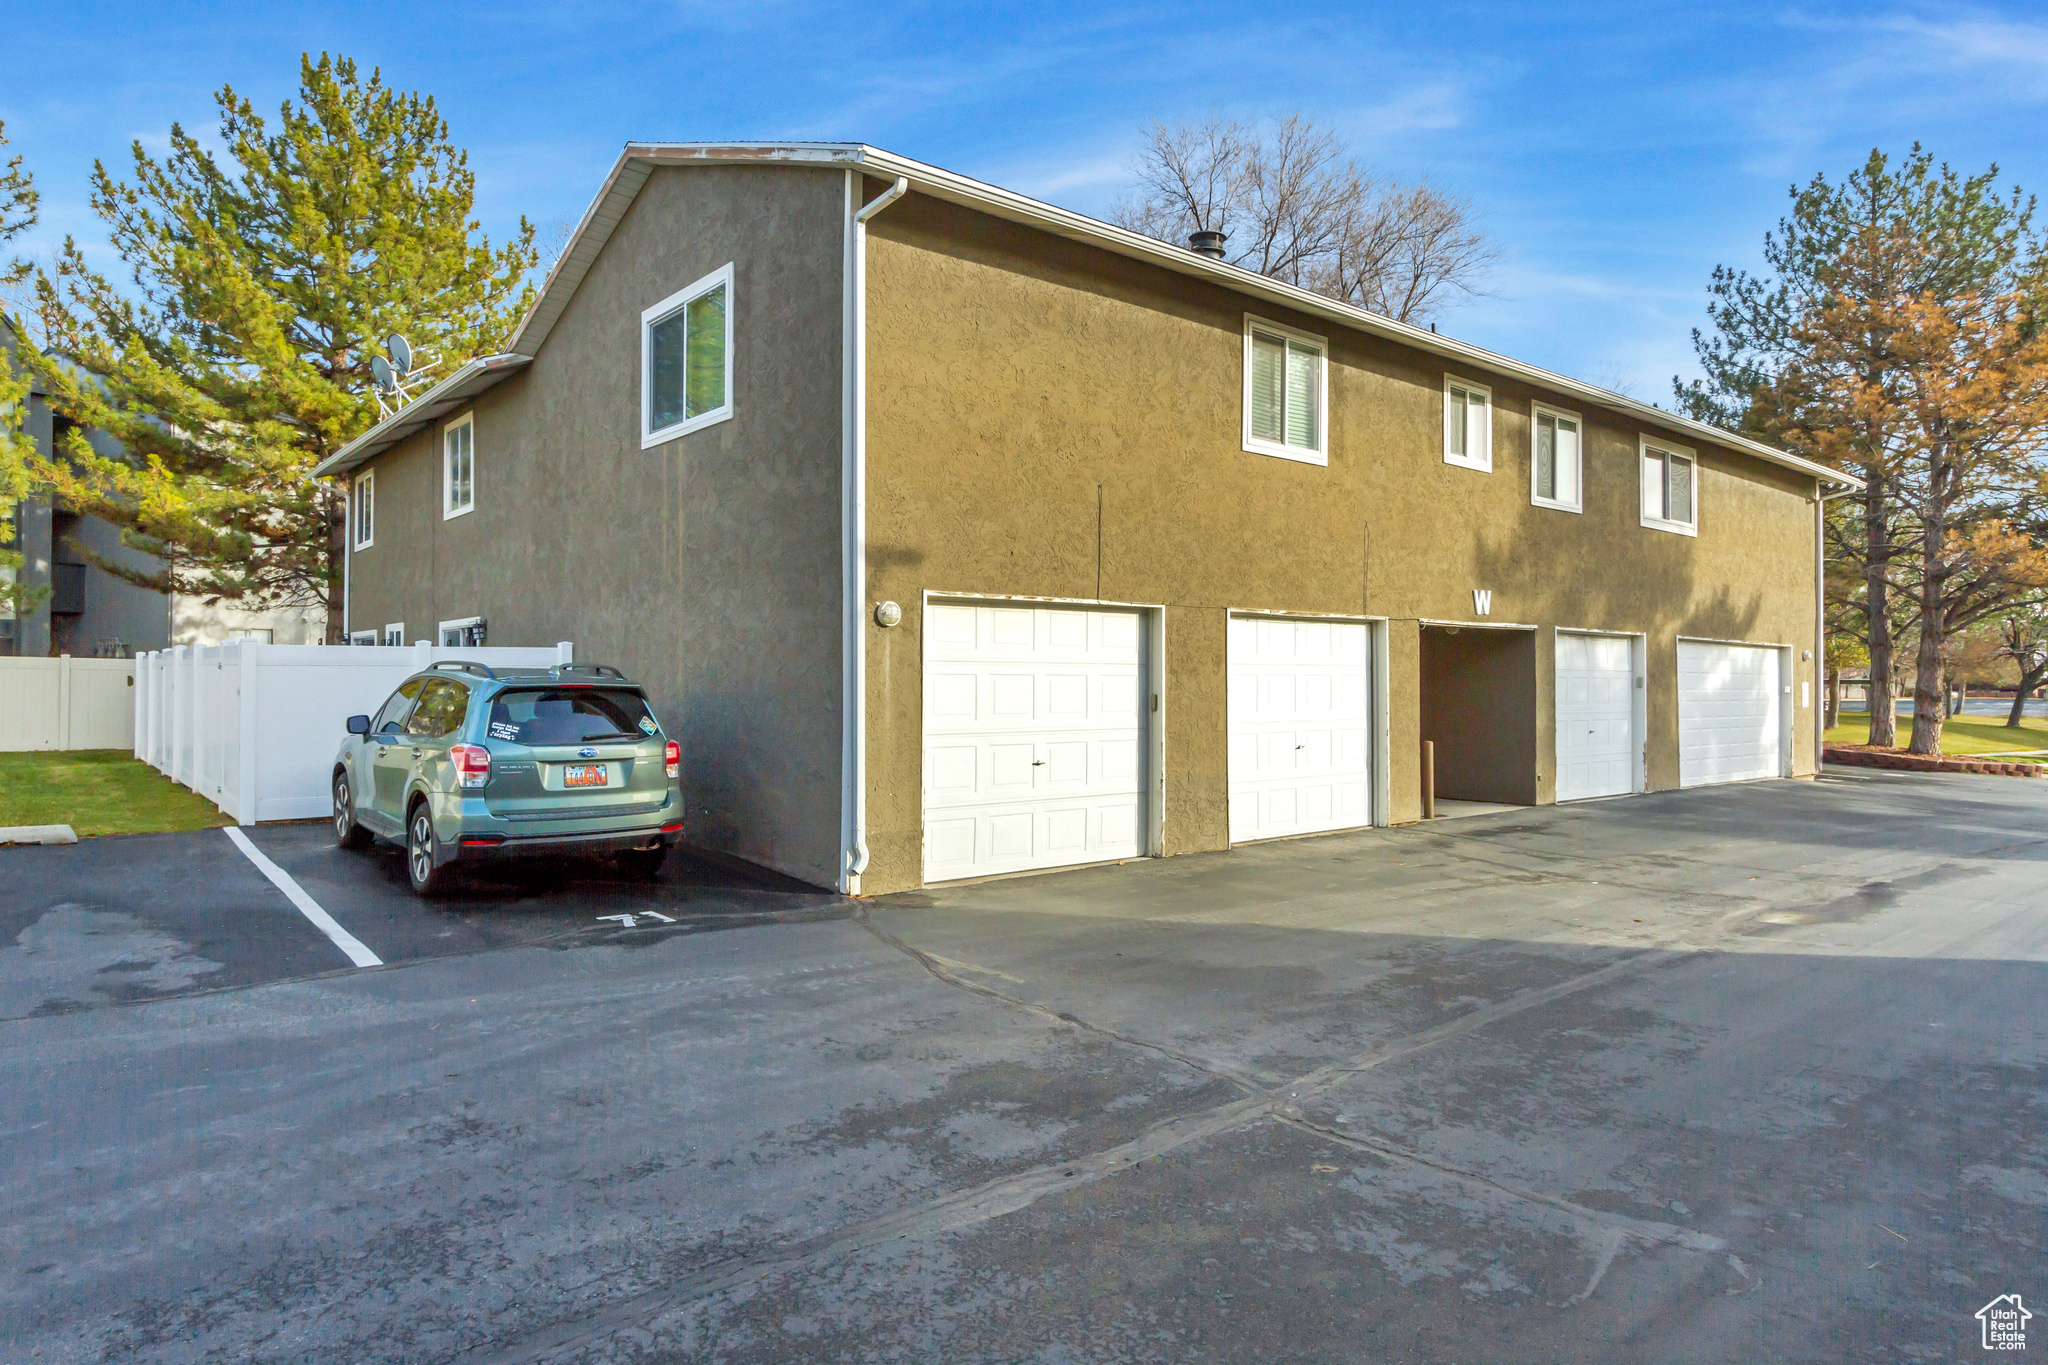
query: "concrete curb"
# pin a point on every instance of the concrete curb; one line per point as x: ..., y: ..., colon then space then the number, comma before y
x: 37, y: 834
x: 1864, y: 756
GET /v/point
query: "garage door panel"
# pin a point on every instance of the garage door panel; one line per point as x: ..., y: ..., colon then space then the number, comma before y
x: 1042, y: 765
x: 1300, y: 757
x: 1729, y: 713
x: 1595, y: 704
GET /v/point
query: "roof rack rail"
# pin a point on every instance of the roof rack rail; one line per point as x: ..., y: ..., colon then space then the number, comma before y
x: 601, y: 670
x: 464, y: 666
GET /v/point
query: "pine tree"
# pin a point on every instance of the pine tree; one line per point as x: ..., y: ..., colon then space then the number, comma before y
x: 263, y: 282
x: 1821, y: 353
x: 17, y: 215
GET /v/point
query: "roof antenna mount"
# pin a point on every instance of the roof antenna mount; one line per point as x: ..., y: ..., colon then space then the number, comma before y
x: 395, y: 379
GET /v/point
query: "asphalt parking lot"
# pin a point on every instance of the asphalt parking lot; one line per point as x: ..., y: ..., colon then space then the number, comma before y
x: 1730, y: 1075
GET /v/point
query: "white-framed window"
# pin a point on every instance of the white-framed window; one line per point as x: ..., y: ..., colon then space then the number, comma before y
x: 394, y: 633
x: 362, y: 508
x: 1468, y: 424
x: 1286, y: 392
x: 458, y: 466
x: 686, y: 360
x: 362, y: 637
x: 1671, y: 494
x: 256, y: 635
x: 1556, y: 458
x: 463, y: 633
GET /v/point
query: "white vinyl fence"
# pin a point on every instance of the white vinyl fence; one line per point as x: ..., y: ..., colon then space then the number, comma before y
x: 254, y: 728
x: 66, y: 703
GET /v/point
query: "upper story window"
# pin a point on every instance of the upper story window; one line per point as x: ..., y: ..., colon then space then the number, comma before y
x: 686, y: 360
x: 1286, y: 392
x: 1556, y: 466
x: 1468, y: 423
x: 1670, y: 488
x: 362, y: 508
x: 458, y: 466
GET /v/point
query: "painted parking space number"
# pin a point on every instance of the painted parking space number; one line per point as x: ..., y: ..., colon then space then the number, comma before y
x: 630, y: 921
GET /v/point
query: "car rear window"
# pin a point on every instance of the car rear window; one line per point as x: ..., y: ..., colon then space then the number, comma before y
x: 569, y: 715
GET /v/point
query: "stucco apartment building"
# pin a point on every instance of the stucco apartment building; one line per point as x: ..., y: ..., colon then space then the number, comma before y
x: 956, y: 534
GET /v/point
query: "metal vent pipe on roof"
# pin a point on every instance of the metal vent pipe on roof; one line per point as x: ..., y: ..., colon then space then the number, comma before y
x: 1207, y: 243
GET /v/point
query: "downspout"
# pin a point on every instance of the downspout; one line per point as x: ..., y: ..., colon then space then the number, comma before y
x: 854, y: 496
x: 348, y: 555
x: 1820, y: 616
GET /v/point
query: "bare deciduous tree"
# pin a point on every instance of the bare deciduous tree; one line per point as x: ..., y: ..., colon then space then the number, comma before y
x: 1295, y: 205
x: 2026, y: 646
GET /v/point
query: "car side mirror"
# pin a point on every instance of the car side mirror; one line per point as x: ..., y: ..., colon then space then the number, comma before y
x: 359, y: 725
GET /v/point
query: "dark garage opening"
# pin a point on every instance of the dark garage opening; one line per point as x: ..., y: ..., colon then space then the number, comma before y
x: 1479, y: 710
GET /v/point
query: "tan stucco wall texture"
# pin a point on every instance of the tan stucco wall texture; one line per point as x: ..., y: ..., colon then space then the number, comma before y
x: 707, y: 568
x: 1019, y: 382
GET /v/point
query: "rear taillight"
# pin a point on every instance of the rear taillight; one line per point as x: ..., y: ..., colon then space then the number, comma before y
x: 472, y: 764
x: 672, y: 754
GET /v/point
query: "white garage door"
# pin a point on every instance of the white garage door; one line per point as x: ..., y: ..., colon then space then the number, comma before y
x: 1596, y: 710
x: 1300, y: 727
x: 1033, y: 739
x: 1728, y: 716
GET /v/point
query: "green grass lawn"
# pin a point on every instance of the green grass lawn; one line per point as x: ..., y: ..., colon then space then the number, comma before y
x: 1975, y: 734
x: 98, y: 791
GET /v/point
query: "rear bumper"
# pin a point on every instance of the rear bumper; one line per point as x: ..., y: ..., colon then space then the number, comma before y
x: 485, y: 847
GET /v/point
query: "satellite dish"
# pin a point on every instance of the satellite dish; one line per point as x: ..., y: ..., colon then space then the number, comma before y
x: 401, y: 353
x: 380, y: 369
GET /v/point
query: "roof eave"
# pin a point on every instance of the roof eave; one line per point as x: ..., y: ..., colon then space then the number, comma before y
x: 638, y: 159
x: 465, y: 383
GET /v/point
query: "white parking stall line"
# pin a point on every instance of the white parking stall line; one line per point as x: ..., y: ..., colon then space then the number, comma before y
x: 308, y: 907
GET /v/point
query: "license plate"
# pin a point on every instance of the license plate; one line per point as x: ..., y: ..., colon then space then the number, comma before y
x: 583, y: 775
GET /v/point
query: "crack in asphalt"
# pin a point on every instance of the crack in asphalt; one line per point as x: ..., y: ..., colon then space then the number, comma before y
x: 1008, y: 1194
x: 1640, y: 1229
x: 1257, y: 1085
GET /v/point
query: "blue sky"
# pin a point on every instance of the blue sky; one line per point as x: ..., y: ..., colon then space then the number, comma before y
x: 1615, y: 155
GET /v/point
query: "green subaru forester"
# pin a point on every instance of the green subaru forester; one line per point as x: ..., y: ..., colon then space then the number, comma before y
x: 465, y: 762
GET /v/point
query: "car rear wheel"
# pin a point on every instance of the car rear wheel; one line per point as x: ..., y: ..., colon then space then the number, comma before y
x: 421, y: 864
x: 347, y: 832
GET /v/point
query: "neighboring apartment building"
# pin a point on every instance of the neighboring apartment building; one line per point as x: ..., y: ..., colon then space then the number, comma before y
x: 92, y: 613
x: 956, y: 534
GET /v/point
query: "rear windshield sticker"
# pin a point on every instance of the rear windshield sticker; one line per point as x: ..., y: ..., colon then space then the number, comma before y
x: 504, y: 730
x: 647, y: 724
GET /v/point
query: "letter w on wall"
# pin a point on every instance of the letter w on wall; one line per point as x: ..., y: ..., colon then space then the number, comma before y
x: 1482, y: 601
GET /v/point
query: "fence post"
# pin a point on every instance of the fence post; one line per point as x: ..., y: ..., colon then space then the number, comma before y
x: 141, y: 687
x: 63, y: 701
x: 565, y: 651
x: 245, y: 757
x: 422, y: 653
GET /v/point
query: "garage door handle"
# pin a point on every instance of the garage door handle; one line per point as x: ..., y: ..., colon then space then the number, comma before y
x: 1038, y: 763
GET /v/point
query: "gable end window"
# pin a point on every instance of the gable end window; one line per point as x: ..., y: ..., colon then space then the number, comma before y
x: 362, y: 509
x: 1670, y: 488
x: 1286, y: 392
x: 458, y: 467
x: 686, y: 360
x: 1556, y: 459
x: 1468, y: 424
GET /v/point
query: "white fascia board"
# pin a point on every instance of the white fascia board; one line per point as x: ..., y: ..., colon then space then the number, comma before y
x: 457, y: 389
x: 639, y: 159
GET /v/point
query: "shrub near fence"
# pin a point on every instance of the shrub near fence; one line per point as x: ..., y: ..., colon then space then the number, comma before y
x: 66, y: 703
x: 254, y: 727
